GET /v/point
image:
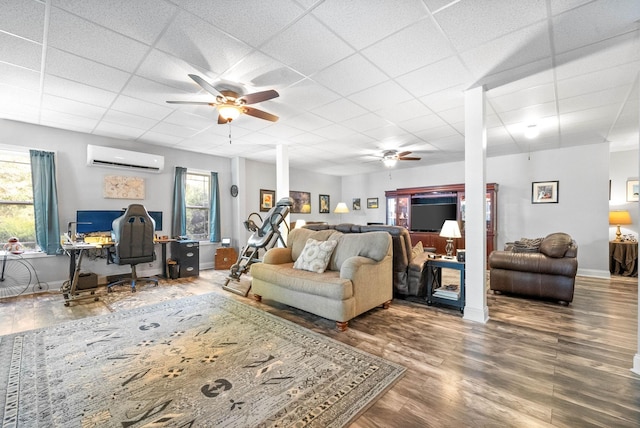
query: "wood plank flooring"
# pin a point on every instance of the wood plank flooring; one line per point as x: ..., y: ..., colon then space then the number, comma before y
x: 534, y: 364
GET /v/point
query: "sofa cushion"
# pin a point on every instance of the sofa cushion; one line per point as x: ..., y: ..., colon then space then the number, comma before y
x: 297, y: 239
x: 373, y: 245
x: 555, y: 244
x: 417, y: 250
x: 315, y: 255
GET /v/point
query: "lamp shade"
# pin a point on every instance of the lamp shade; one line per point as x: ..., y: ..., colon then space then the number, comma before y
x: 300, y: 223
x: 619, y: 217
x: 228, y: 112
x: 341, y: 208
x: 450, y: 229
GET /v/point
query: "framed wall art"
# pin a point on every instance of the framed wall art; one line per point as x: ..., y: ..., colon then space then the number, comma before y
x: 120, y: 187
x: 632, y: 190
x: 301, y: 202
x: 372, y: 202
x: 266, y: 199
x: 356, y: 204
x: 544, y: 192
x: 323, y: 204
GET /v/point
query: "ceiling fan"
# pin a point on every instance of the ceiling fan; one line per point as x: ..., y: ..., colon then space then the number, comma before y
x: 390, y: 157
x: 230, y: 104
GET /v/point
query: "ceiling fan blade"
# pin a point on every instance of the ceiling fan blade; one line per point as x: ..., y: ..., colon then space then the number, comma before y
x: 198, y: 103
x: 258, y: 97
x: 206, y: 86
x: 403, y: 154
x: 260, y: 114
x: 409, y: 158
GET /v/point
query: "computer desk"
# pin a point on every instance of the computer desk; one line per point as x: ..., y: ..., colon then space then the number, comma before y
x: 75, y: 251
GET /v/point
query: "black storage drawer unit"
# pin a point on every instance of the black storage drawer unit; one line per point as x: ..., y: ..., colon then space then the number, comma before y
x: 187, y: 254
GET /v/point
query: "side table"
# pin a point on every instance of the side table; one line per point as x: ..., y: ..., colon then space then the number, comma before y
x: 623, y: 258
x: 443, y: 289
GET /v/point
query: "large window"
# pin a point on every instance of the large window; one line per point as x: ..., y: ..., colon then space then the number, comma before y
x: 16, y: 199
x: 198, y: 205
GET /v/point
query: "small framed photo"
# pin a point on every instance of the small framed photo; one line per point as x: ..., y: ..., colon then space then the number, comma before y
x: 632, y: 190
x: 266, y: 199
x: 356, y: 204
x: 372, y: 202
x: 544, y: 192
x: 323, y: 204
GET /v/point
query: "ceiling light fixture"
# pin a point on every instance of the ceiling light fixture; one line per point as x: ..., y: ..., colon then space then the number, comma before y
x: 229, y: 112
x: 531, y: 131
x: 389, y: 162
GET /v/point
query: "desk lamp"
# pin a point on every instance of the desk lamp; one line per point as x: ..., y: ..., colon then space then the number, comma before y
x: 450, y: 230
x: 617, y: 218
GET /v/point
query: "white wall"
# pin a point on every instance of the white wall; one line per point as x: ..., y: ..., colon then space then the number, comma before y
x: 623, y: 167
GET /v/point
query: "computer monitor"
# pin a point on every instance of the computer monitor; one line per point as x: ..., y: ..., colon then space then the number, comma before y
x: 89, y: 221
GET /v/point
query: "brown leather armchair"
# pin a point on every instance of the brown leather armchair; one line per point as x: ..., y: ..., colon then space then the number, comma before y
x: 548, y: 273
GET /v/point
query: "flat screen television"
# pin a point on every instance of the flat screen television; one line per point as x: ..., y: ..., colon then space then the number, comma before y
x: 430, y: 217
x: 89, y: 221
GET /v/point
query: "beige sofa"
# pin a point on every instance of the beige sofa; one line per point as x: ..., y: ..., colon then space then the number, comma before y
x: 357, y: 279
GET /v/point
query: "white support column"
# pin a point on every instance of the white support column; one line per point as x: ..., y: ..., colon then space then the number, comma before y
x: 636, y: 358
x: 282, y: 181
x: 239, y: 203
x: 475, y: 152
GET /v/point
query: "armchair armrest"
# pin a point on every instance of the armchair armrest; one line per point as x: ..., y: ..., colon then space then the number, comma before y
x: 277, y: 256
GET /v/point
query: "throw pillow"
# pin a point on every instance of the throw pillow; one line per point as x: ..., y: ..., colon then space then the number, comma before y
x: 556, y: 245
x: 315, y: 255
x: 527, y: 245
x: 417, y: 250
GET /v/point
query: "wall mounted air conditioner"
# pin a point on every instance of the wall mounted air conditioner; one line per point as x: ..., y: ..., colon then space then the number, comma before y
x: 124, y: 159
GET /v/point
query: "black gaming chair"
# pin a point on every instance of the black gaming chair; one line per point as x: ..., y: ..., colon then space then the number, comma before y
x: 133, y: 236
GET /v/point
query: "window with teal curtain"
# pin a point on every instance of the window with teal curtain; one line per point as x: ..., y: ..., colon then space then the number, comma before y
x: 45, y: 200
x: 179, y: 218
x: 214, y: 212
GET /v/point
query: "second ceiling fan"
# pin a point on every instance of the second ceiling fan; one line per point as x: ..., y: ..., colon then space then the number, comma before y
x: 390, y: 157
x: 230, y: 104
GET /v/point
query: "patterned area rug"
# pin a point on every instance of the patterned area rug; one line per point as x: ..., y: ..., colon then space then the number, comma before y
x: 200, y: 361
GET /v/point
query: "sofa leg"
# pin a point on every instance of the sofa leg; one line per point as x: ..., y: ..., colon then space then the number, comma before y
x: 257, y: 297
x: 498, y: 292
x: 386, y: 304
x: 342, y: 325
x: 563, y: 302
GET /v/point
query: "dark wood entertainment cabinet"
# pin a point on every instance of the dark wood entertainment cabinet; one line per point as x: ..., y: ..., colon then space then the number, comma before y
x: 399, y: 213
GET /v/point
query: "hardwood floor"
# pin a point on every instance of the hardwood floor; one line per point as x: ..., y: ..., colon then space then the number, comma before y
x: 534, y: 364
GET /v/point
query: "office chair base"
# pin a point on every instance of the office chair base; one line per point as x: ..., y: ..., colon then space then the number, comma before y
x: 133, y: 282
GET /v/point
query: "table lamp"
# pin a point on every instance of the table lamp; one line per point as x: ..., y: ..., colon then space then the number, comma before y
x: 617, y: 218
x: 341, y: 208
x: 450, y: 230
x: 300, y: 223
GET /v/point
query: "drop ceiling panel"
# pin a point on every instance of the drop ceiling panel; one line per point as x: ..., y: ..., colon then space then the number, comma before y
x: 77, y: 91
x: 115, y: 130
x: 359, y: 23
x: 23, y: 18
x: 129, y: 120
x: 365, y: 122
x: 261, y: 71
x: 53, y: 103
x: 342, y: 109
x: 20, y: 52
x: 387, y: 94
x: 350, y: 75
x: 83, y: 38
x: 78, y: 69
x: 435, y: 77
x: 142, y: 20
x: 598, y: 81
x: 20, y: 77
x: 292, y: 46
x: 139, y: 107
x: 526, y: 97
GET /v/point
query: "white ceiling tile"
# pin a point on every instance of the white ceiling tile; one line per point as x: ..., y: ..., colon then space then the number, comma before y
x: 593, y: 22
x: 307, y: 95
x: 160, y: 138
x: 454, y: 115
x: 534, y: 80
x: 381, y: 96
x: 529, y: 114
x: 53, y: 103
x: 253, y: 21
x: 66, y: 118
x: 339, y: 110
x: 414, y: 47
x: 362, y: 23
x: 168, y: 70
x: 334, y: 132
x: 598, y: 80
x: 281, y: 131
x: 594, y: 99
x: 403, y: 111
x: 200, y: 43
x: 437, y: 133
x: 23, y: 18
x: 20, y: 77
x: 77, y: 91
x: 154, y: 92
x: 292, y: 46
x: 520, y: 47
x: 435, y: 77
x: 72, y: 34
x: 421, y: 123
x: 350, y: 75
x: 183, y: 118
x: 70, y: 126
x: 72, y: 67
x: 114, y: 130
x: 559, y: 6
x: 309, y: 122
x: 174, y: 130
x: 471, y: 23
x: 365, y: 122
x: 257, y: 70
x: 444, y: 100
x: 526, y: 97
x: 139, y: 107
x: 15, y: 98
x: 129, y: 120
x: 20, y: 52
x: 142, y: 20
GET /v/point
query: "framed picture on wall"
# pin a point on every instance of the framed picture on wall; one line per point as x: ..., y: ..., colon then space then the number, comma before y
x: 544, y: 192
x: 266, y: 199
x: 632, y: 190
x: 323, y: 204
x: 301, y: 202
x: 372, y: 202
x: 356, y: 204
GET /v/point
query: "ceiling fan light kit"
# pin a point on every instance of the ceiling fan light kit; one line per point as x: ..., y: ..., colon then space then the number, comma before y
x: 391, y: 157
x: 531, y: 131
x: 230, y: 104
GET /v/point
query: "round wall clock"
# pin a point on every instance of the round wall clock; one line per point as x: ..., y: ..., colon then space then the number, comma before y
x: 234, y: 190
